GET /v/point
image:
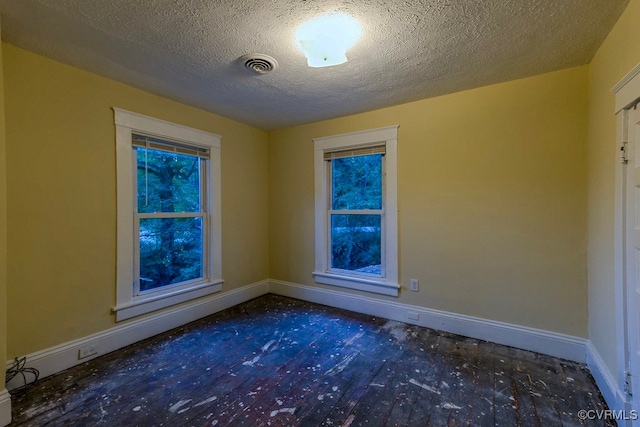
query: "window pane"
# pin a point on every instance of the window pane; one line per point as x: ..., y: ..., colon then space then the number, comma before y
x: 167, y: 182
x: 170, y: 251
x: 357, y: 182
x: 355, y: 243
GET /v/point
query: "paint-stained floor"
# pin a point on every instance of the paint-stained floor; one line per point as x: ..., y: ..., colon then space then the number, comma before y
x: 275, y: 361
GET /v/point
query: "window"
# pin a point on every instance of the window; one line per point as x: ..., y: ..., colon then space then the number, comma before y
x: 168, y: 248
x: 356, y: 211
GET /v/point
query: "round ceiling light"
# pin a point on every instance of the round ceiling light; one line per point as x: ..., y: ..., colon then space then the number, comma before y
x: 326, y: 39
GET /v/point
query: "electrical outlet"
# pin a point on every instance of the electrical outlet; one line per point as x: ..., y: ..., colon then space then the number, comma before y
x: 413, y: 285
x: 412, y: 315
x: 87, y: 351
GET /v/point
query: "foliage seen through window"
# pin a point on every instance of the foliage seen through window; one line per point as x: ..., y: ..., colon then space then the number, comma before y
x: 170, y: 247
x: 356, y: 236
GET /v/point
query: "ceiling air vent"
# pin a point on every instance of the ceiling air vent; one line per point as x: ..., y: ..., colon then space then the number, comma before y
x: 258, y: 63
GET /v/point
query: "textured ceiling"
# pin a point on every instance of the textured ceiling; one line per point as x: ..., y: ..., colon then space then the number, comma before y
x: 188, y: 50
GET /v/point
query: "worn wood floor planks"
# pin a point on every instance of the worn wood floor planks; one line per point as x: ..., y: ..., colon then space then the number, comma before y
x: 276, y: 361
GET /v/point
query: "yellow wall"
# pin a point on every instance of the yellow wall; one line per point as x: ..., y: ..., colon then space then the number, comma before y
x: 619, y: 53
x: 3, y: 229
x: 61, y: 207
x: 492, y: 200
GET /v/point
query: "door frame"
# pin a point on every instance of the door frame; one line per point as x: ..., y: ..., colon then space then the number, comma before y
x: 627, y: 95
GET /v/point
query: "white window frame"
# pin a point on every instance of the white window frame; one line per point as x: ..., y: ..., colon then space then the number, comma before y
x: 388, y: 283
x: 128, y: 304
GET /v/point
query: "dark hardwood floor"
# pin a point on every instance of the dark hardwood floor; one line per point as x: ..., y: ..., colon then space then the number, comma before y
x: 276, y: 361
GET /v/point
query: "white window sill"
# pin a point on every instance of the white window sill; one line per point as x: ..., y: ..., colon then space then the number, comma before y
x: 148, y: 303
x: 376, y: 286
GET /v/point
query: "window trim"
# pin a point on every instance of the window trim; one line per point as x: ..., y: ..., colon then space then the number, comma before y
x: 128, y: 304
x: 389, y: 284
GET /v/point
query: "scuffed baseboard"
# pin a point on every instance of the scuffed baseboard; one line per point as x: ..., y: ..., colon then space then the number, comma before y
x: 541, y: 341
x: 613, y: 394
x: 64, y: 356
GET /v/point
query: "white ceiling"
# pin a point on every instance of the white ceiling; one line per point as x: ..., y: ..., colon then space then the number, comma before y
x: 188, y: 50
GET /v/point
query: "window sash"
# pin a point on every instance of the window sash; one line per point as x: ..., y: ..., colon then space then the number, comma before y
x: 329, y: 255
x: 204, y: 277
x: 203, y: 214
x: 355, y: 211
x: 330, y: 212
x: 162, y: 215
x: 202, y: 176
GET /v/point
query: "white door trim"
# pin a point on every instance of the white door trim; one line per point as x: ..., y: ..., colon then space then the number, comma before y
x: 627, y: 93
x: 627, y: 90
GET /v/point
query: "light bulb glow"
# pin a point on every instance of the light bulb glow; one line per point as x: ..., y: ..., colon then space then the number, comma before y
x: 326, y: 39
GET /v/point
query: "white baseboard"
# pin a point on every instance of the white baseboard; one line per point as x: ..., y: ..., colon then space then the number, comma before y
x: 541, y: 341
x: 613, y: 394
x: 5, y: 407
x: 64, y: 356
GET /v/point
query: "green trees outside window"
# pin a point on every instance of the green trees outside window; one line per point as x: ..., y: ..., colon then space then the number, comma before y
x: 356, y: 213
x: 170, y: 219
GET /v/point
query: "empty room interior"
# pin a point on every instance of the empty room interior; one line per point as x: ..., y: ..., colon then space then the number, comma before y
x: 444, y: 187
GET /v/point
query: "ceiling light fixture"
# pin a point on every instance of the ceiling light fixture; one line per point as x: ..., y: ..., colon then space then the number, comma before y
x: 326, y: 39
